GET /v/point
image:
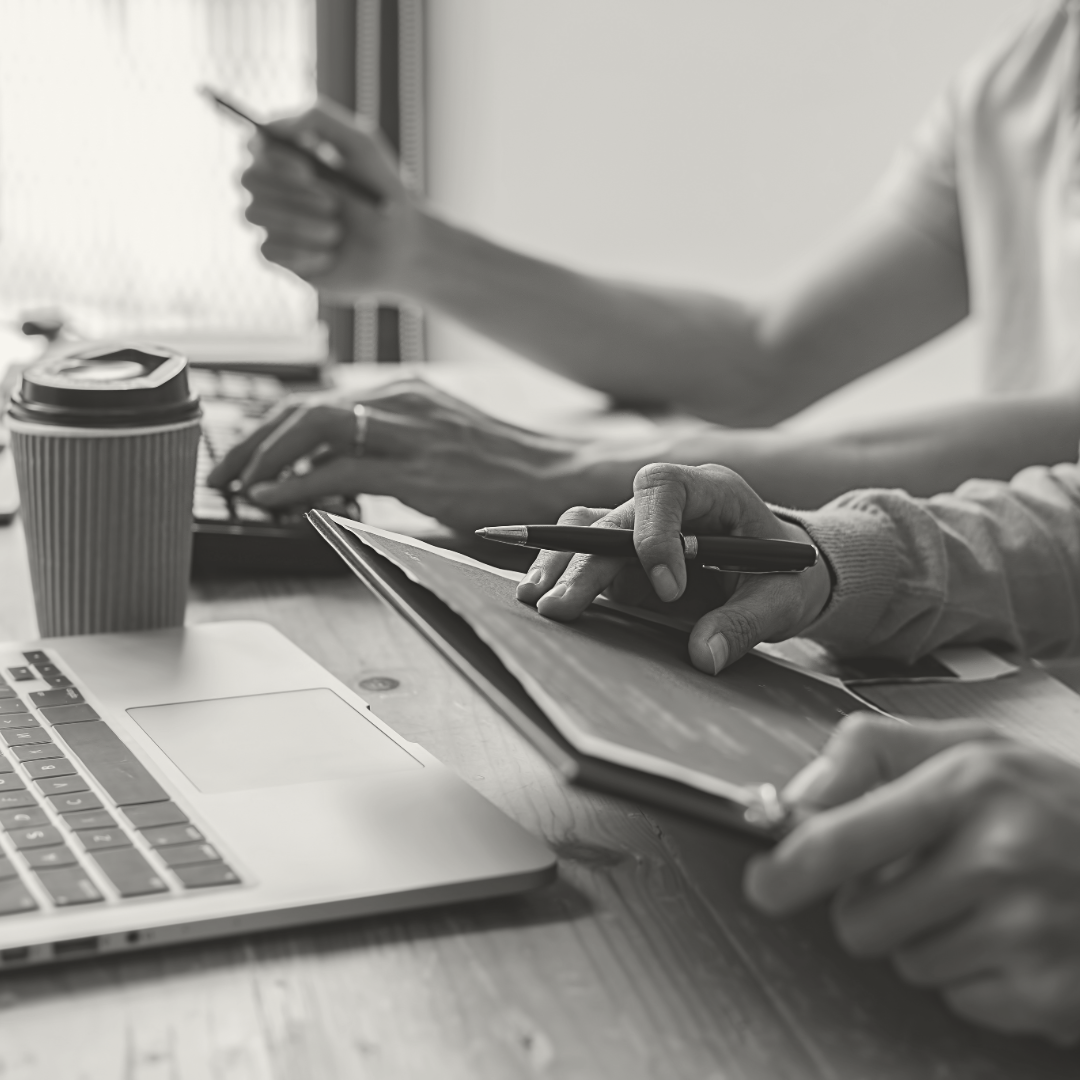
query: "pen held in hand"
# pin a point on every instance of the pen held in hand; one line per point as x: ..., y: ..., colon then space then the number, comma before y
x: 323, y: 169
x: 735, y: 554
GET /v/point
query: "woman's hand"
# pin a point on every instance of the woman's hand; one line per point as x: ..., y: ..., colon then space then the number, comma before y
x: 707, y: 500
x: 954, y: 853
x: 335, y: 240
x: 436, y: 453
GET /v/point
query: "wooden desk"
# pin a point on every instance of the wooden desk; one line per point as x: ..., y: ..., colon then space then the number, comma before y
x: 642, y: 961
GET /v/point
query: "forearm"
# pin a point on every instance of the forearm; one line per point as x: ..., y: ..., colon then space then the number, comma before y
x: 923, y: 453
x: 636, y: 342
x: 989, y: 562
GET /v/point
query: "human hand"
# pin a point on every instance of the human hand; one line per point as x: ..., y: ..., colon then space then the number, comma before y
x: 734, y: 612
x: 337, y: 241
x: 436, y: 453
x: 951, y: 851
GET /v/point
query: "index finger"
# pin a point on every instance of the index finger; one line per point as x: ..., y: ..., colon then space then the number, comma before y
x: 232, y: 464
x: 304, y: 431
x: 848, y: 841
x: 659, y: 503
x: 585, y: 576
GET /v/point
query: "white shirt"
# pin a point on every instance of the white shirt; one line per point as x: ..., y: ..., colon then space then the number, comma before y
x: 995, y: 169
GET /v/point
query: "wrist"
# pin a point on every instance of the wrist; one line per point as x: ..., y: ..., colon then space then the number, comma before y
x: 817, y: 580
x: 434, y: 257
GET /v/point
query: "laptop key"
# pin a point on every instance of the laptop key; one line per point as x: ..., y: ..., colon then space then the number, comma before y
x: 151, y: 815
x: 83, y: 800
x: 69, y: 886
x: 68, y: 696
x: 92, y: 839
x: 20, y: 674
x: 43, y: 858
x: 18, y: 720
x: 11, y: 782
x: 56, y: 767
x: 36, y: 656
x: 23, y: 817
x: 15, y: 897
x: 90, y: 819
x: 36, y: 836
x: 167, y: 835
x: 6, y: 692
x: 69, y: 714
x: 9, y: 800
x: 8, y: 869
x: 12, y: 705
x: 206, y: 874
x: 21, y: 736
x: 129, y: 872
x: 58, y: 785
x: 36, y: 753
x: 58, y: 680
x: 5, y: 765
x: 45, y: 668
x: 186, y: 854
x: 114, y: 765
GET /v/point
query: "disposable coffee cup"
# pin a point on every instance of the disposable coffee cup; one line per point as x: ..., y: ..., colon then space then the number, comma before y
x: 104, y: 439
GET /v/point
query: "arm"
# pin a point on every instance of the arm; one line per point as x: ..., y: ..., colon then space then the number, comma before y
x: 934, y: 450
x: 989, y: 562
x: 887, y: 287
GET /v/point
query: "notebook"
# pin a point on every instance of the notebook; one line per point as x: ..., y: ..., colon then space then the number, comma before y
x: 611, y: 699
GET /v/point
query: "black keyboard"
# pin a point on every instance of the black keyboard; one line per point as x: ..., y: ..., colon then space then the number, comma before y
x: 233, y: 537
x: 82, y: 820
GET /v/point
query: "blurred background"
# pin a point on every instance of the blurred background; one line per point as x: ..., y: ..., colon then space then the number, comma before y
x: 709, y: 142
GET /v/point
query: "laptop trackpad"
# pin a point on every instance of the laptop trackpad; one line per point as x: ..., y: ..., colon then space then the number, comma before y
x: 268, y: 740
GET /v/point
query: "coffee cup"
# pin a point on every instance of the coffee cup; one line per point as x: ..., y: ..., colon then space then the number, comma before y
x: 105, y: 438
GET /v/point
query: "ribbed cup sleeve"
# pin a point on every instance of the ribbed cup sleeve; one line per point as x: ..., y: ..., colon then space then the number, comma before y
x: 108, y: 527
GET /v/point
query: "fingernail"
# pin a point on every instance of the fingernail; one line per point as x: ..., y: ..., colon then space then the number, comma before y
x: 664, y: 583
x: 556, y: 592
x: 534, y: 576
x: 718, y: 647
x: 805, y: 783
x: 259, y: 491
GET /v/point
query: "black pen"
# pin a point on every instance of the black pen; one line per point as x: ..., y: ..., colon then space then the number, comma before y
x: 324, y: 170
x: 736, y: 554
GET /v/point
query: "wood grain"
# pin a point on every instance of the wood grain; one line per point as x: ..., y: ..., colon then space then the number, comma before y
x: 641, y: 961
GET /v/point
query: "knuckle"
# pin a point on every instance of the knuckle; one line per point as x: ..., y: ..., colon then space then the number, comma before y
x: 659, y: 474
x: 860, y: 729
x: 743, y: 627
x: 1002, y: 850
x: 985, y: 769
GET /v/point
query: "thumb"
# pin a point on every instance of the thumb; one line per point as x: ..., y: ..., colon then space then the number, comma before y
x: 362, y: 149
x: 868, y: 750
x: 762, y: 608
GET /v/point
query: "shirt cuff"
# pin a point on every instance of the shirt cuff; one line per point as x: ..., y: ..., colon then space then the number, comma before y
x: 859, y: 546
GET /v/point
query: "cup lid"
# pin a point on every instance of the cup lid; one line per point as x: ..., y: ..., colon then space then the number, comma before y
x: 106, y: 385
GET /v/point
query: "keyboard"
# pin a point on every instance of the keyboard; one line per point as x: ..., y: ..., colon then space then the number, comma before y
x: 82, y: 820
x: 232, y: 536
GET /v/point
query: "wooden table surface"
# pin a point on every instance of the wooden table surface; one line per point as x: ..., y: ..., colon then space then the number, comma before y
x: 641, y: 961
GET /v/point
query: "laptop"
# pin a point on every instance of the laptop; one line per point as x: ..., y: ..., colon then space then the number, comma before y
x: 175, y: 785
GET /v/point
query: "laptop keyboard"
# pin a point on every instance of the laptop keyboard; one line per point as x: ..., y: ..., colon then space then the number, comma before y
x: 82, y: 821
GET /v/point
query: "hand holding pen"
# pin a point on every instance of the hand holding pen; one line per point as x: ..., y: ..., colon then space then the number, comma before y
x: 670, y: 502
x: 331, y: 198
